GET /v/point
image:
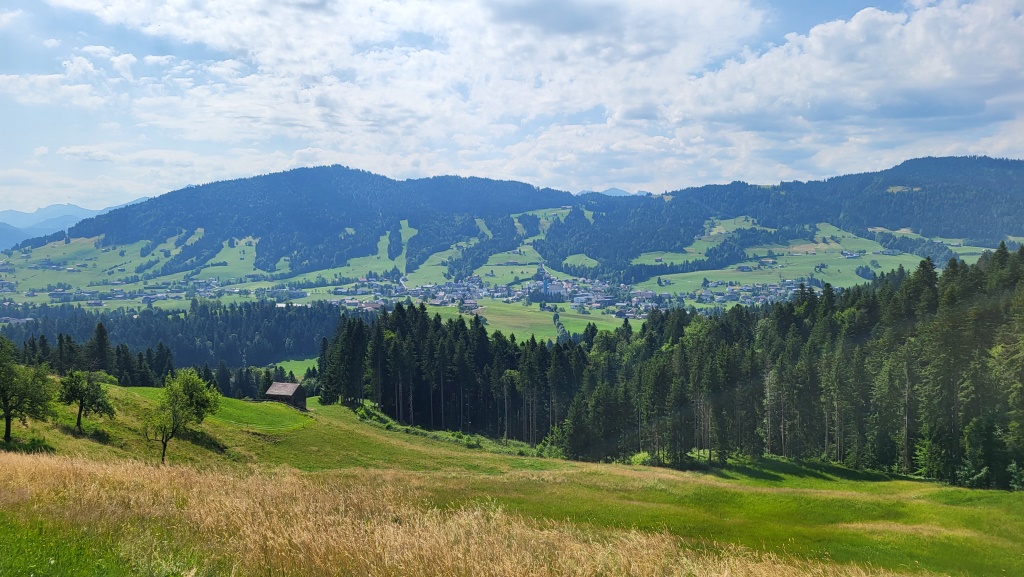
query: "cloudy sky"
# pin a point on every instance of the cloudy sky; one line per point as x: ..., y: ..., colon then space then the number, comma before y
x: 103, y: 101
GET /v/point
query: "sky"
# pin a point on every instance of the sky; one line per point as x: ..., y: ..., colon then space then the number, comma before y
x: 105, y: 101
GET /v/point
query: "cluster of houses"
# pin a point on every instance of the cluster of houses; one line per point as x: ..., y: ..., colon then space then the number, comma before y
x: 720, y: 293
x: 48, y: 264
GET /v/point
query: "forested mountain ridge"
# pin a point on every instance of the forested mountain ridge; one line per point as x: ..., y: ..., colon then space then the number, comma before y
x: 318, y: 218
x: 986, y: 196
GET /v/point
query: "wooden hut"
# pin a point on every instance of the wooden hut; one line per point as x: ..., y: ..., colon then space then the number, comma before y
x: 292, y: 394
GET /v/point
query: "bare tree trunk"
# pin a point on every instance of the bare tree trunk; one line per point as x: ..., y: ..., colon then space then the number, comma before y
x: 906, y: 416
x: 412, y: 414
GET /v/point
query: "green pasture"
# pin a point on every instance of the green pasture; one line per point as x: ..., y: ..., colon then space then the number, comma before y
x: 297, y: 366
x: 580, y: 260
x: 547, y: 216
x: 667, y: 257
x: 803, y: 510
x: 524, y: 321
x: 840, y: 272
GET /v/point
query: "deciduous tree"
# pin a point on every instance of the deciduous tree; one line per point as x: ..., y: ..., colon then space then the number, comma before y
x: 187, y: 400
x: 84, y: 389
x: 24, y: 392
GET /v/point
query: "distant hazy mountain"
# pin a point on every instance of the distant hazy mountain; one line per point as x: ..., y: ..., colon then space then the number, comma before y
x: 19, y: 219
x: 10, y: 236
x: 16, y: 226
x: 607, y: 192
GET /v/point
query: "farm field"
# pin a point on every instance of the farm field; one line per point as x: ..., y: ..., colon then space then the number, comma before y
x: 328, y: 473
x: 524, y: 321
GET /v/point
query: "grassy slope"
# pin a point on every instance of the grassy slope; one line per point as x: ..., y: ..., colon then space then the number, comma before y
x: 840, y: 271
x: 579, y: 260
x: 794, y: 510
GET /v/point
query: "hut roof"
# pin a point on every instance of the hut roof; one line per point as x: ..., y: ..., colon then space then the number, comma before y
x: 283, y: 389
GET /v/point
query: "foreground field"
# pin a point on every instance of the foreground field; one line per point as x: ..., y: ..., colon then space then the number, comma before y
x: 265, y: 490
x: 157, y: 520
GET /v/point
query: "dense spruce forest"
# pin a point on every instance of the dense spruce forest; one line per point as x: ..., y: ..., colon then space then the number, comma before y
x: 334, y: 214
x: 248, y: 334
x: 918, y: 372
x: 149, y: 368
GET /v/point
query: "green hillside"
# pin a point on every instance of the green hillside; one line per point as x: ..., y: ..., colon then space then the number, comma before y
x: 795, y: 517
x: 445, y: 228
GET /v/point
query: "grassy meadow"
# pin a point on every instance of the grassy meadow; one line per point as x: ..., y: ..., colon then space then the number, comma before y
x: 797, y: 259
x: 526, y: 320
x: 262, y: 489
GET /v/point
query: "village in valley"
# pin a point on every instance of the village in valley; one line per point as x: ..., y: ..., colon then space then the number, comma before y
x: 514, y: 284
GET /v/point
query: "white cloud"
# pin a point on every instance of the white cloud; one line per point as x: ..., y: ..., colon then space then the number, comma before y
x: 98, y: 51
x: 162, y: 60
x: 51, y: 43
x: 45, y: 89
x: 9, y: 16
x: 651, y: 94
x: 79, y: 67
x: 123, y: 65
x: 15, y: 177
x: 40, y: 151
x: 933, y: 79
x: 89, y: 153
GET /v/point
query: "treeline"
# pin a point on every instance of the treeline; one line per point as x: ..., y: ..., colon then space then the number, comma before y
x: 919, y: 373
x: 247, y: 334
x: 146, y: 368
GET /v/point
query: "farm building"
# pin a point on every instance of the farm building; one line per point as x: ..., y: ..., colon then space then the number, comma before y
x: 292, y: 394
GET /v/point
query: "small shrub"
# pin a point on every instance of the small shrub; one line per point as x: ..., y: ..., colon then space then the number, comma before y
x: 642, y: 459
x: 1016, y: 476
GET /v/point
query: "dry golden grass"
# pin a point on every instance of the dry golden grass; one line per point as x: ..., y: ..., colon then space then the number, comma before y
x: 361, y: 523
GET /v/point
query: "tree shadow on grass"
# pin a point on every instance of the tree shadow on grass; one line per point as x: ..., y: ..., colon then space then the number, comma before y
x: 99, y: 435
x: 767, y: 469
x: 204, y: 440
x: 735, y: 471
x: 35, y: 445
x: 777, y: 470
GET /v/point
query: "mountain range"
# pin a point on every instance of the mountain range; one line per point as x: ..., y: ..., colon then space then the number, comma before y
x: 17, y: 226
x: 320, y: 218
